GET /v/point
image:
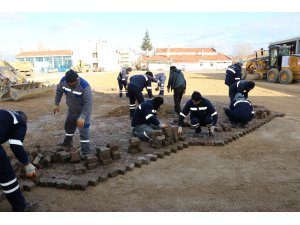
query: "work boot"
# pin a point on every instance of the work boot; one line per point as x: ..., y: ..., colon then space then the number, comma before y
x: 68, y: 142
x: 31, y: 207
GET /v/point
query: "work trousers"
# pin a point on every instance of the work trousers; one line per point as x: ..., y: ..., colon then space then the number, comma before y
x: 9, y: 183
x: 178, y: 93
x: 134, y: 94
x: 122, y: 84
x: 144, y: 131
x: 70, y: 127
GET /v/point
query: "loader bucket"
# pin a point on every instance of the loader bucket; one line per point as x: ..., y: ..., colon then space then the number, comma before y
x: 4, y: 94
x: 21, y: 91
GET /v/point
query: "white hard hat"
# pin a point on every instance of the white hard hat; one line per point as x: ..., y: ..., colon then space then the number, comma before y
x: 240, y: 62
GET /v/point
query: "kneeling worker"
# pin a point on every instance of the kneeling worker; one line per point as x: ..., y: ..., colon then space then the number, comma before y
x: 202, y: 113
x: 240, y: 110
x: 144, y: 120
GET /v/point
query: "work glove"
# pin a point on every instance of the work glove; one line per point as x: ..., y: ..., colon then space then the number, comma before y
x: 179, y: 130
x: 30, y: 170
x: 55, y: 109
x: 211, y: 129
x: 163, y: 125
x: 80, y: 122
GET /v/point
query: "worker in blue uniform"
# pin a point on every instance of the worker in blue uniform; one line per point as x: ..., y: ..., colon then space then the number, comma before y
x: 240, y: 110
x: 13, y: 127
x: 242, y: 87
x: 202, y: 112
x: 136, y: 85
x: 145, y: 120
x: 160, y: 79
x: 123, y: 80
x: 234, y: 73
x: 79, y: 100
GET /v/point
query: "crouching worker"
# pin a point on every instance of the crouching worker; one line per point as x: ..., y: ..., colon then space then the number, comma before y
x: 202, y: 114
x: 240, y: 110
x: 13, y: 126
x: 144, y: 119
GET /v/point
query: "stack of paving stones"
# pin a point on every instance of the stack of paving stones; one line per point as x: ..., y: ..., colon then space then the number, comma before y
x: 63, y: 167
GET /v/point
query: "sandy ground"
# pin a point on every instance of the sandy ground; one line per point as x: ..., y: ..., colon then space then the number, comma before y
x: 258, y: 172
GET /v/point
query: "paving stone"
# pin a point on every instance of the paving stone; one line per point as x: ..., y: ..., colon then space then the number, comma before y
x: 93, y: 180
x: 27, y: 185
x: 152, y: 157
x: 79, y: 184
x: 134, y: 141
x: 112, y: 146
x: 185, y: 145
x: 159, y: 154
x: 130, y: 166
x: 47, y: 182
x: 115, y: 155
x: 173, y: 149
x: 144, y: 160
x: 62, y: 156
x: 159, y: 138
x: 75, y: 157
x: 219, y: 143
x: 37, y: 159
x: 112, y: 173
x: 91, y: 159
x: 138, y: 163
x: 105, y: 161
x: 167, y: 151
x: 45, y: 162
x: 182, y: 138
x: 65, y: 184
x: 155, y: 143
x: 133, y: 149
x: 91, y: 166
x: 179, y: 147
x: 167, y: 131
x: 156, y: 133
x: 122, y: 170
x: 103, y: 177
x: 79, y: 168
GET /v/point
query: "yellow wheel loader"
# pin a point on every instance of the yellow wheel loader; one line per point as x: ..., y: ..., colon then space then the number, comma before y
x: 14, y: 86
x: 280, y: 65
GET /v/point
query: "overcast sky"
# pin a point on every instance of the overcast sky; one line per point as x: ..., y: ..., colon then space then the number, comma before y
x: 126, y: 28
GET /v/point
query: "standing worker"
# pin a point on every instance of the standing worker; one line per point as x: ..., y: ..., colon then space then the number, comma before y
x: 79, y: 100
x: 202, y: 114
x: 240, y: 110
x: 242, y: 87
x: 160, y: 79
x: 122, y: 80
x: 234, y: 73
x: 136, y: 85
x: 13, y: 127
x: 178, y: 84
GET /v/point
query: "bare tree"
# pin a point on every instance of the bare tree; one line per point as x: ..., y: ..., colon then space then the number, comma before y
x: 242, y: 50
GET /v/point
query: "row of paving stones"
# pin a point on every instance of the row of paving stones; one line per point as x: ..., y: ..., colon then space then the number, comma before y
x: 63, y: 167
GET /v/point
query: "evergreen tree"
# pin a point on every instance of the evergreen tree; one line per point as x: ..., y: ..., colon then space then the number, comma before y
x: 146, y: 45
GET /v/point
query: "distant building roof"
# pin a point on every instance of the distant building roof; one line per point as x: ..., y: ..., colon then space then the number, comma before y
x: 186, y: 58
x: 182, y: 50
x: 45, y: 53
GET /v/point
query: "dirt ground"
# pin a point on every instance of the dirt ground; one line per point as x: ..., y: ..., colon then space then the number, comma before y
x: 258, y: 172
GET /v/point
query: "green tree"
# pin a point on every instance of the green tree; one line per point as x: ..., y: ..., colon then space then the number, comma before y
x: 146, y: 45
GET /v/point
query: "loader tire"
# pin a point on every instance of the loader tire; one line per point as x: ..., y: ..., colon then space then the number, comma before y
x: 285, y: 76
x: 272, y: 75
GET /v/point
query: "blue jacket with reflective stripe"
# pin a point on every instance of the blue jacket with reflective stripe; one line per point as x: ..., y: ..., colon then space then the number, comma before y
x: 79, y: 99
x: 141, y: 82
x: 242, y: 109
x: 145, y: 114
x: 205, y: 108
x: 239, y: 87
x: 13, y: 129
x: 233, y: 74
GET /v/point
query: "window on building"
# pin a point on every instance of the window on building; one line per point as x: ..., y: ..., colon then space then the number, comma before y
x: 29, y: 59
x: 57, y: 62
x: 201, y: 64
x: 67, y: 62
x: 39, y: 59
x: 211, y: 64
x: 95, y: 55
